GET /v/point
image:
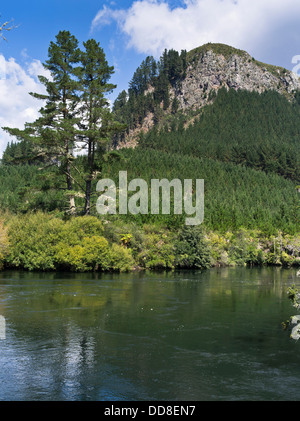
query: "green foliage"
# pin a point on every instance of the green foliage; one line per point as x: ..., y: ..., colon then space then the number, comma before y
x: 4, y: 243
x: 235, y: 196
x: 80, y: 226
x: 91, y: 254
x: 144, y: 76
x: 244, y: 249
x: 157, y: 251
x: 126, y: 239
x: 26, y: 187
x: 33, y: 239
x: 294, y: 321
x: 120, y: 259
x: 191, y: 249
x: 43, y: 242
x: 252, y: 247
x: 21, y: 153
x: 293, y: 295
x: 236, y: 128
x: 149, y: 88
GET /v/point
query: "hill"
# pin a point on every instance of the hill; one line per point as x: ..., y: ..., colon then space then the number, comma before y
x: 213, y: 113
x: 261, y: 131
x: 187, y: 81
x: 235, y: 196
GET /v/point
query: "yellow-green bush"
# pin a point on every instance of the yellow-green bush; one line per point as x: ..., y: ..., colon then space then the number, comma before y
x: 90, y: 254
x: 81, y: 227
x: 219, y: 246
x: 120, y: 259
x: 157, y: 251
x: 33, y: 238
x: 42, y: 242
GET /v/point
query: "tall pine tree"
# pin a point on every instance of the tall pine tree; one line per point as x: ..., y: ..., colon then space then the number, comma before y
x: 96, y: 123
x: 53, y: 133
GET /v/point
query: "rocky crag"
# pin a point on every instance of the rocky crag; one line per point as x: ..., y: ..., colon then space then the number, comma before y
x: 208, y: 69
x: 214, y: 66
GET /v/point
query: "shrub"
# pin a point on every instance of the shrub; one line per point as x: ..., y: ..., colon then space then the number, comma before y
x: 42, y: 242
x: 90, y: 254
x: 83, y: 226
x: 245, y: 248
x: 120, y: 259
x: 191, y: 249
x: 33, y: 238
x: 219, y: 246
x: 157, y: 251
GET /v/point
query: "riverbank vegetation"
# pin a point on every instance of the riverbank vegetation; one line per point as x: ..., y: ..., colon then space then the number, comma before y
x: 45, y: 242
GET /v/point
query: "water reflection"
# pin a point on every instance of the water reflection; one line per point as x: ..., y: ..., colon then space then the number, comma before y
x: 213, y: 335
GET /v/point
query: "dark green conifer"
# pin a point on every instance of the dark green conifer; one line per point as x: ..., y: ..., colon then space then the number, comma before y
x: 53, y: 133
x: 96, y: 119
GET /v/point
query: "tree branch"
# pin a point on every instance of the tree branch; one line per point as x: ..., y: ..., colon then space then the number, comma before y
x: 5, y: 27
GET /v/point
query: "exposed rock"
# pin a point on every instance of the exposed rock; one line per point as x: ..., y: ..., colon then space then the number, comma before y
x: 212, y: 67
x: 214, y: 71
x: 133, y: 135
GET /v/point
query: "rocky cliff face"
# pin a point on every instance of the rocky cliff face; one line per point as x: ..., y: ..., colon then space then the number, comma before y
x: 212, y: 67
x: 209, y: 70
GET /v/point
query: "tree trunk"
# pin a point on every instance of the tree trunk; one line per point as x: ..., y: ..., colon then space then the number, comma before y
x: 87, y: 206
x: 88, y: 186
x: 72, y: 206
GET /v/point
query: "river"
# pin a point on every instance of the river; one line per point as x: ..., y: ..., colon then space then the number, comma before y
x: 214, y: 335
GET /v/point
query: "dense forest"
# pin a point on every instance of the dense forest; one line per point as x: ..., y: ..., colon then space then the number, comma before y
x: 132, y: 107
x: 235, y: 196
x: 260, y: 131
x: 245, y: 146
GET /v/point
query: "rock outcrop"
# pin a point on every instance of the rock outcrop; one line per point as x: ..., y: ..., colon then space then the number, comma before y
x: 209, y: 70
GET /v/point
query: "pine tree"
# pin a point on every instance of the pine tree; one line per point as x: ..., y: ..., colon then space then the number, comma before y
x: 53, y: 133
x: 97, y: 122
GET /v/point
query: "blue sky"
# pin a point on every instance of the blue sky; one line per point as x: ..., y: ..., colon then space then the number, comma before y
x: 38, y: 21
x: 130, y: 30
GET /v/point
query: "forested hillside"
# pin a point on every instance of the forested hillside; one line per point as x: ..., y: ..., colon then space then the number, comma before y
x: 148, y: 90
x: 235, y: 196
x: 187, y: 81
x: 261, y: 131
x: 244, y: 143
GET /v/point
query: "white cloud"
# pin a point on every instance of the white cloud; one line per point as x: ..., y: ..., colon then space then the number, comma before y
x: 16, y: 105
x: 152, y: 25
x: 106, y: 16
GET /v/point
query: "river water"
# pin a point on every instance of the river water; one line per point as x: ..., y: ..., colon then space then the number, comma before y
x: 214, y: 335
